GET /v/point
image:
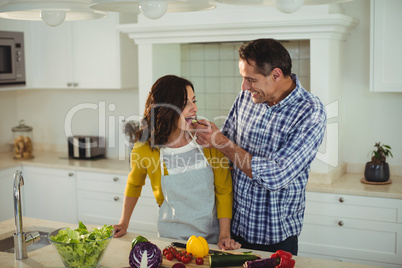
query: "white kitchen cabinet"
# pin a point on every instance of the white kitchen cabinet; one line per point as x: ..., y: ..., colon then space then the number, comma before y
x: 386, y: 43
x: 81, y: 55
x: 49, y: 194
x: 6, y: 193
x: 365, y: 230
x: 100, y: 201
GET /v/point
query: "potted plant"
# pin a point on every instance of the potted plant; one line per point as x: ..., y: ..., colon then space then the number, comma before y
x: 377, y: 170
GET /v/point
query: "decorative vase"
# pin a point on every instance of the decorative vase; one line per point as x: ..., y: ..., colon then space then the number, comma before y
x: 376, y: 173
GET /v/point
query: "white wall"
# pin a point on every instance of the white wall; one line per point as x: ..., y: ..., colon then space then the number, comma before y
x: 8, y: 118
x: 47, y: 110
x: 366, y: 117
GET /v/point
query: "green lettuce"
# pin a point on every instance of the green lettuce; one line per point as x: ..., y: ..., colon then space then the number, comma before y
x: 81, y: 248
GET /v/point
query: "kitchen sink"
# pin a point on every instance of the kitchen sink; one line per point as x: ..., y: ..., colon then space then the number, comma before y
x: 7, y: 244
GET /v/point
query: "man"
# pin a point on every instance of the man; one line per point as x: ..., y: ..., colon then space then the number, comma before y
x: 272, y: 134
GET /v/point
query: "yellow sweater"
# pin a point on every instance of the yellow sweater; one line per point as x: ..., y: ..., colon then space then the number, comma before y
x: 145, y: 161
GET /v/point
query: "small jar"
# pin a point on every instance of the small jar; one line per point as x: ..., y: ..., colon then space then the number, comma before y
x: 23, y: 148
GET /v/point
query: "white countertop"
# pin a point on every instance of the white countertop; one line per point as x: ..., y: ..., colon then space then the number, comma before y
x: 118, y: 251
x: 348, y: 183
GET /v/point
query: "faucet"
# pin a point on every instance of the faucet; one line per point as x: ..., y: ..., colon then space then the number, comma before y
x: 21, y: 239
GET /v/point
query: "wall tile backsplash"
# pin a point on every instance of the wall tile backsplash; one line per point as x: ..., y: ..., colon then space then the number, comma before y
x: 213, y: 69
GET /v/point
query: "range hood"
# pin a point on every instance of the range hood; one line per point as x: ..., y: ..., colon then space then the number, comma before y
x: 324, y: 26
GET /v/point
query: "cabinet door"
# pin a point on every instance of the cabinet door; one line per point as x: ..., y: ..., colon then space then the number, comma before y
x: 6, y: 193
x: 96, y: 53
x: 385, y: 60
x: 49, y: 194
x: 51, y: 62
x: 363, y: 229
x: 100, y: 201
x: 79, y: 54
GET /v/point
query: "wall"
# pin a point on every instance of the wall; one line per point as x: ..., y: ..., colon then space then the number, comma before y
x: 46, y: 111
x: 8, y: 118
x: 366, y: 117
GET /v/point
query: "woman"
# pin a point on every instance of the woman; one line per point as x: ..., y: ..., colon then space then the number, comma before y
x: 193, y: 186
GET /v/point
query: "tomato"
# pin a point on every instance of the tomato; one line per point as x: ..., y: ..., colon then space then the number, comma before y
x: 169, y: 256
x: 185, y: 259
x: 199, y: 261
x: 165, y: 252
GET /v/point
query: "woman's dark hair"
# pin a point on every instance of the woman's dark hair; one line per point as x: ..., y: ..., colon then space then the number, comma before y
x: 267, y: 54
x: 165, y: 102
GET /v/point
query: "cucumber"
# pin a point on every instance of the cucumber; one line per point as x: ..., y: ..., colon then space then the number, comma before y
x: 230, y: 260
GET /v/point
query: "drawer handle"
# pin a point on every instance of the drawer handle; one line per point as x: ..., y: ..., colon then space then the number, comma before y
x: 340, y: 223
x: 70, y: 174
x: 341, y: 199
x: 116, y: 198
x: 115, y: 179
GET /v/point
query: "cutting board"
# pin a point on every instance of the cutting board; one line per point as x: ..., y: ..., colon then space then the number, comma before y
x: 168, y: 264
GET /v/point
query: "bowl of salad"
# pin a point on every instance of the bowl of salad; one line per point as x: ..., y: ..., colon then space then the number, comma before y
x: 81, y: 247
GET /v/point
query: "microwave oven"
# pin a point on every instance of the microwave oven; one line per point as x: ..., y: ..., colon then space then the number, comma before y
x: 12, y: 58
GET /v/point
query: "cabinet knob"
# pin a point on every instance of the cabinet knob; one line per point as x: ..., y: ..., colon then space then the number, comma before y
x: 115, y: 179
x: 116, y: 198
x: 75, y: 84
x: 70, y: 174
x: 340, y: 223
x: 341, y: 199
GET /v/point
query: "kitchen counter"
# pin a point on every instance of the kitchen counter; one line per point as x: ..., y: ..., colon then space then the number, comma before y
x: 60, y: 160
x: 348, y: 183
x: 118, y: 250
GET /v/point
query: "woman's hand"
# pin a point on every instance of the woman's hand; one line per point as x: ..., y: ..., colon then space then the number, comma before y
x: 120, y: 230
x: 228, y: 243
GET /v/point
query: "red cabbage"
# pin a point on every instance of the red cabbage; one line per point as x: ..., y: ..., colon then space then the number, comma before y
x: 261, y: 263
x: 154, y: 255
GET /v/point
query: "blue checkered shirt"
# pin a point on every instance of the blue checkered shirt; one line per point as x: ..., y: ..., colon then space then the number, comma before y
x: 283, y: 141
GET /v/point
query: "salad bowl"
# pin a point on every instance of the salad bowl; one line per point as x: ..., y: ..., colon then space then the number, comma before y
x: 80, y: 247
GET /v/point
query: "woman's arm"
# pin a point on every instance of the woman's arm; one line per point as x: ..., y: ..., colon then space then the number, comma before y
x: 128, y: 207
x: 225, y: 242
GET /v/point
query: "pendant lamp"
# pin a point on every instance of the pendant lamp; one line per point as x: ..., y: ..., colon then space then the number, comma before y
x: 52, y: 12
x: 285, y: 6
x: 152, y: 9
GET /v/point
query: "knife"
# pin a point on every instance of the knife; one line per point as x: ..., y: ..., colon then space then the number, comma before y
x: 211, y: 251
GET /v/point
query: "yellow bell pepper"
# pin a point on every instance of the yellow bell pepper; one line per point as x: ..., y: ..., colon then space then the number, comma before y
x: 198, y: 246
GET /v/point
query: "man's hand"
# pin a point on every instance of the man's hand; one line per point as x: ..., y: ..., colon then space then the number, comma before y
x: 208, y: 134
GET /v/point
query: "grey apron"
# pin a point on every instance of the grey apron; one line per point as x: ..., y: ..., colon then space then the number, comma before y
x: 189, y: 205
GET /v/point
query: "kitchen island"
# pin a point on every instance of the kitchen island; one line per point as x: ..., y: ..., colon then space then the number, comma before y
x: 118, y: 251
x: 345, y: 220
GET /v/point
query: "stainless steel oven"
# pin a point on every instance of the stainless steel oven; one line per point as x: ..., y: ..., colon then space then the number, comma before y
x: 12, y: 58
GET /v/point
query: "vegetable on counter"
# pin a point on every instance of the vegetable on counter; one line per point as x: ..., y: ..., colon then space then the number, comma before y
x: 197, y: 246
x: 154, y: 255
x: 138, y: 239
x: 80, y: 247
x: 283, y: 259
x: 178, y: 265
x: 261, y: 263
x: 230, y: 260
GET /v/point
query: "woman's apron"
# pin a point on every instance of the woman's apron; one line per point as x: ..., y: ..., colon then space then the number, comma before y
x: 189, y: 205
